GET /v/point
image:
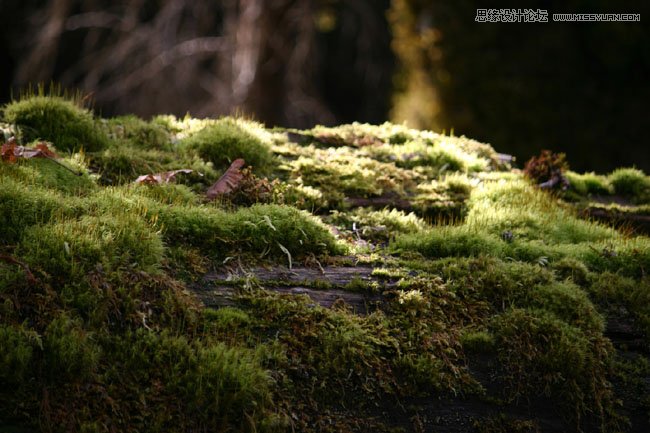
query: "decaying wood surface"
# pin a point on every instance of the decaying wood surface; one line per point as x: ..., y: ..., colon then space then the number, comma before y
x: 217, y: 289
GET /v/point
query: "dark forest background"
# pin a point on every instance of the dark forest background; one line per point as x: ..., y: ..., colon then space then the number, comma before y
x: 581, y: 88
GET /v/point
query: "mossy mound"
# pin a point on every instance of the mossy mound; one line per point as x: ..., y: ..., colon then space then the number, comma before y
x: 471, y: 291
x: 225, y: 140
x: 57, y: 120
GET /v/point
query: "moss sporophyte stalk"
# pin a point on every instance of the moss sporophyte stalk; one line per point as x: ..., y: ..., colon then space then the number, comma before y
x: 354, y: 278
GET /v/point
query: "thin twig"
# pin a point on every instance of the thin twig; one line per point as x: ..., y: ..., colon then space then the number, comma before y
x: 14, y: 261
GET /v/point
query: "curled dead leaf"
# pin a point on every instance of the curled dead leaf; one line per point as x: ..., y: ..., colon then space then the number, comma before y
x: 11, y: 152
x: 158, y: 178
x: 228, y: 181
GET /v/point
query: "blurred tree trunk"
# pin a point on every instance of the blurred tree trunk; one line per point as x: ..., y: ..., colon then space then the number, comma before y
x: 266, y: 59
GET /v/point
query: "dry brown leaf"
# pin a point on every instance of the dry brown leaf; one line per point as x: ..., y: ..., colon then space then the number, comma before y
x: 10, y: 152
x: 228, y: 182
x: 158, y: 178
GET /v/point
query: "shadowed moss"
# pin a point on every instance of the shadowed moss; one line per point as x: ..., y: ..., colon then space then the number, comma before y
x: 138, y: 133
x: 23, y: 206
x: 17, y: 347
x: 567, y: 363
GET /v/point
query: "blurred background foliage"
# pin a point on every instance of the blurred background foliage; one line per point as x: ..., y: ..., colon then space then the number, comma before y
x: 580, y: 88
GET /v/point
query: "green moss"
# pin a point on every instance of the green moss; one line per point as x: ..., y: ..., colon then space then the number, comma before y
x: 202, y: 386
x: 226, y: 140
x: 631, y: 182
x: 120, y: 164
x: 571, y: 269
x: 569, y: 303
x: 618, y: 294
x: 477, y: 341
x: 454, y: 241
x: 513, y: 274
x: 504, y: 424
x: 377, y: 225
x: 17, y: 352
x: 569, y: 364
x: 70, y: 351
x: 45, y: 173
x: 261, y: 229
x: 138, y: 133
x: 58, y: 120
x: 588, y: 183
x: 23, y: 206
x: 169, y: 194
x: 71, y: 248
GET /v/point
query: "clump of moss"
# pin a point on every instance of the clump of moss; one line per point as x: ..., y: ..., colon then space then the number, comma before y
x: 589, y: 183
x: 225, y: 140
x: 71, y: 248
x: 45, y: 173
x: 377, y: 225
x: 623, y: 297
x: 23, y: 206
x: 631, y: 182
x: 138, y: 133
x: 277, y: 231
x: 567, y: 363
x: 477, y: 341
x: 120, y: 164
x: 18, y: 345
x: 58, y: 120
x: 71, y: 352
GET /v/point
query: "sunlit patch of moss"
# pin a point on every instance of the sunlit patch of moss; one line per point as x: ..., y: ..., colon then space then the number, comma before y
x: 450, y: 241
x: 340, y: 173
x: 58, y: 120
x: 225, y: 140
x: 631, y: 182
x: 474, y: 341
x: 389, y: 273
x: 530, y: 214
x: 444, y: 200
x: 376, y: 225
x: 45, y: 173
x: 588, y: 183
x: 304, y: 197
x: 71, y: 248
x: 409, y: 146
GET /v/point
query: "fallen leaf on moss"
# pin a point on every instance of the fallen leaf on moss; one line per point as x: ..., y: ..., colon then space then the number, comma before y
x: 228, y: 182
x: 10, y: 152
x: 158, y: 178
